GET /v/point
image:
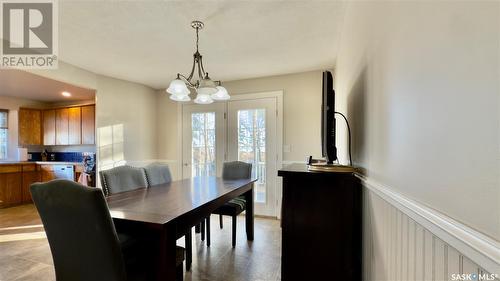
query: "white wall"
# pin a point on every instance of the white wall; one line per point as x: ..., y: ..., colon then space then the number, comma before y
x: 13, y: 105
x: 125, y: 115
x: 420, y: 84
x: 168, y: 127
x: 126, y: 122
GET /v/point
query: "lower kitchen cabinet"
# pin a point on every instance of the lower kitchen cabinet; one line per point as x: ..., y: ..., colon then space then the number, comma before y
x: 16, y: 179
x: 31, y: 174
x: 47, y: 172
x: 11, y: 179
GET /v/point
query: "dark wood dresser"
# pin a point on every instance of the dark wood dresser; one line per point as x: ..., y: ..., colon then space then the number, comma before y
x: 321, y: 225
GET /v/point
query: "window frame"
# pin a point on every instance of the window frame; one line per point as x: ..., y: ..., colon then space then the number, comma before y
x: 6, y: 128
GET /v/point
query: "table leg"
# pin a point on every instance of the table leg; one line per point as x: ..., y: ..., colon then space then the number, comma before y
x: 166, y: 255
x: 208, y: 231
x: 249, y: 213
x: 189, y: 249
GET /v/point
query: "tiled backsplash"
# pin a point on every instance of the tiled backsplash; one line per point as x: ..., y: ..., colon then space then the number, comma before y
x: 61, y: 156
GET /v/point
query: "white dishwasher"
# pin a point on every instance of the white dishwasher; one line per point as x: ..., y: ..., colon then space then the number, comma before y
x: 64, y: 172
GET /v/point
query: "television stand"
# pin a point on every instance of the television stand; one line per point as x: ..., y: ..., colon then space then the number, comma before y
x: 332, y: 168
x: 321, y: 225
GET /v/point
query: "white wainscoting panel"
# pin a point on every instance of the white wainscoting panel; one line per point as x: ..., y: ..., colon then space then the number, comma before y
x: 397, y: 248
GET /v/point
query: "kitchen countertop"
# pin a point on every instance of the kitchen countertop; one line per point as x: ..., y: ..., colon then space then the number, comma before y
x: 38, y: 162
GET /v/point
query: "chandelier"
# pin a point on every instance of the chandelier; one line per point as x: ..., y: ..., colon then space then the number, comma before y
x: 206, y: 90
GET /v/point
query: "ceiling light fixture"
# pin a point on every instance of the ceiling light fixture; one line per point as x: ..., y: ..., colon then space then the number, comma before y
x: 207, y: 90
x: 66, y: 94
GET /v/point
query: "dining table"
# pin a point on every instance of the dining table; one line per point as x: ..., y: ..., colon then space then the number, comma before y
x: 170, y: 210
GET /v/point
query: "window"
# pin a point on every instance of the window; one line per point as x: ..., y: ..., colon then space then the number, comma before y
x: 3, y: 133
x: 203, y: 144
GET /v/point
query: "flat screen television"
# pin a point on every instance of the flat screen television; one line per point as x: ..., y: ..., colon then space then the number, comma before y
x: 328, y: 147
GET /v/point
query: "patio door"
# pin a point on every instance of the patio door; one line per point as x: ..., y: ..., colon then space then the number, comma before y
x: 203, y: 139
x: 244, y: 130
x: 252, y: 138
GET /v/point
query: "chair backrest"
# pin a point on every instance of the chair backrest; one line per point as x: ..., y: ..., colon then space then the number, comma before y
x: 236, y: 170
x: 122, y: 178
x: 80, y: 231
x: 157, y: 173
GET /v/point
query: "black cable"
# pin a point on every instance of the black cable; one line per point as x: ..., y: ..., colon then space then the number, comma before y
x: 349, y: 131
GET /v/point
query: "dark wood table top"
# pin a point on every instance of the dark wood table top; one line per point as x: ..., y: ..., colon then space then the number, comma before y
x: 163, y: 203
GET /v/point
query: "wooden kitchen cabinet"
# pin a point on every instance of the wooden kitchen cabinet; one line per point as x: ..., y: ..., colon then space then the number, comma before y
x: 62, y: 126
x: 88, y: 124
x: 47, y: 172
x: 16, y: 179
x: 30, y: 126
x: 10, y: 185
x: 31, y: 174
x: 49, y: 127
x: 74, y: 126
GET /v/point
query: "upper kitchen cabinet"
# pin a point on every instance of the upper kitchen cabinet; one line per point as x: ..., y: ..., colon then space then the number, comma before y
x: 49, y: 127
x: 88, y: 124
x: 69, y: 126
x: 30, y: 126
x: 62, y: 126
x: 74, y: 125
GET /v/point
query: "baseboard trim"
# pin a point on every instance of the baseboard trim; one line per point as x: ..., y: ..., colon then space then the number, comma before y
x: 478, y: 247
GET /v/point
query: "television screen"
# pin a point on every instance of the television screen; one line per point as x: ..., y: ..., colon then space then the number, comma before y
x: 329, y: 150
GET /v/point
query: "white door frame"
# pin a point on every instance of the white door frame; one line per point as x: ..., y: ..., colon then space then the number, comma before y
x: 278, y: 95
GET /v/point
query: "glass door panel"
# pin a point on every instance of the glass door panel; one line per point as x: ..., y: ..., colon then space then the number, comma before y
x: 203, y: 144
x: 203, y: 140
x: 252, y: 139
x: 252, y: 146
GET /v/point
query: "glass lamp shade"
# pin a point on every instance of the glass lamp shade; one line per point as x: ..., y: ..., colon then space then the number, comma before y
x: 221, y: 94
x: 206, y: 90
x: 203, y: 99
x: 180, y: 97
x: 178, y: 87
x: 207, y: 83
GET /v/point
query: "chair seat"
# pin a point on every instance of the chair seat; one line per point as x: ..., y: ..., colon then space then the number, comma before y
x: 233, y: 207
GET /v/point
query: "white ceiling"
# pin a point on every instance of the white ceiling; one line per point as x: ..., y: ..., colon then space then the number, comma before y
x: 21, y: 84
x: 150, y: 41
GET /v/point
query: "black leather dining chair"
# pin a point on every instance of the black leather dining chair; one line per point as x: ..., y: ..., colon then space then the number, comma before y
x: 82, y: 237
x: 232, y: 171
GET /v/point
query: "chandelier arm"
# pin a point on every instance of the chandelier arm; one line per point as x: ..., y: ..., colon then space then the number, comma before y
x: 192, y: 69
x: 200, y: 74
x: 202, y: 68
x: 186, y: 80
